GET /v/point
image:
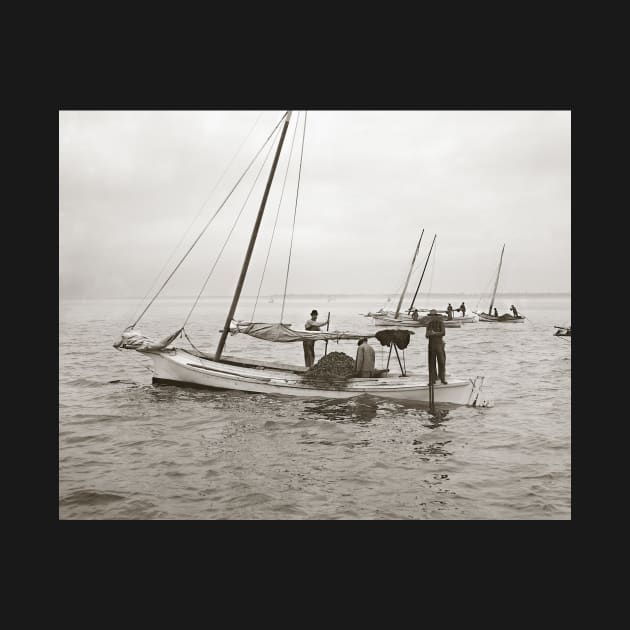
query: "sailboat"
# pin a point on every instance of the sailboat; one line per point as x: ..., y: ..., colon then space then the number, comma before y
x: 182, y: 366
x: 398, y: 318
x: 506, y: 318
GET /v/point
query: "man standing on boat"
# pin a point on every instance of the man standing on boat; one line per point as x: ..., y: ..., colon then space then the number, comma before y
x: 462, y: 308
x: 449, y: 311
x: 514, y: 311
x: 435, y: 334
x: 366, y: 357
x: 309, y: 345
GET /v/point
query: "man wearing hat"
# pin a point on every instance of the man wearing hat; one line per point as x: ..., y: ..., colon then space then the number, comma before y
x: 435, y: 334
x: 309, y: 345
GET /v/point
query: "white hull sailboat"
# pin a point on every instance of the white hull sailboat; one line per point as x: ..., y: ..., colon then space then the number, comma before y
x: 409, y: 322
x: 399, y: 318
x: 179, y: 366
x: 503, y: 319
x: 506, y: 318
x: 383, y: 316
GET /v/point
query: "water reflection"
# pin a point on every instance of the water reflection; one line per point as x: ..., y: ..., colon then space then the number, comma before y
x: 431, y: 451
x: 436, y: 417
x: 360, y: 410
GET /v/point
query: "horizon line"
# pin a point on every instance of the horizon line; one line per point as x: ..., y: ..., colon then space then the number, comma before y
x: 307, y: 295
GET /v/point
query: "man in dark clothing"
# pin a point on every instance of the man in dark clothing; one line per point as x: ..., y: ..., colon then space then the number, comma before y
x: 462, y: 308
x: 435, y: 334
x: 449, y: 311
x: 364, y: 363
x: 309, y: 345
x: 415, y: 314
x: 514, y: 311
x: 495, y: 312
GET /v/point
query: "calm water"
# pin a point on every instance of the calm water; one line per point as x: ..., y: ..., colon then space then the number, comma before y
x: 132, y: 450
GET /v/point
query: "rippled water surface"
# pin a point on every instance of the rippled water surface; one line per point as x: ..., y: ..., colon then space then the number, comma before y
x: 132, y: 450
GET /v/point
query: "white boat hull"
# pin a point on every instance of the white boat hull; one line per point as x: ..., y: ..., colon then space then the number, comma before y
x: 389, y: 316
x: 490, y: 318
x: 411, y: 323
x: 178, y: 366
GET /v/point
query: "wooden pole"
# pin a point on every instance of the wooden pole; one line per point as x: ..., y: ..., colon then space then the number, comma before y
x: 402, y: 295
x: 496, y: 283
x: 431, y: 390
x: 402, y: 369
x: 252, y: 242
x: 422, y: 276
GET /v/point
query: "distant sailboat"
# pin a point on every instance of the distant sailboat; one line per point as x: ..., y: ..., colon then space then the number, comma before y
x: 506, y: 318
x: 397, y: 318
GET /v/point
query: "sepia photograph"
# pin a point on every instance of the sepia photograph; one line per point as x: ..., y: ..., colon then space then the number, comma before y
x: 352, y: 314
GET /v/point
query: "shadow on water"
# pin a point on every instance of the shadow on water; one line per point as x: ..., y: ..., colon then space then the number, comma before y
x: 363, y: 409
x: 436, y: 417
x: 360, y: 410
x: 431, y: 451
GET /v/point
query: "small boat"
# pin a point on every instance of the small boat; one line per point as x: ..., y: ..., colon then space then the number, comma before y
x: 562, y: 331
x: 398, y: 318
x: 506, y: 318
x: 462, y: 319
x: 179, y: 366
x: 408, y: 321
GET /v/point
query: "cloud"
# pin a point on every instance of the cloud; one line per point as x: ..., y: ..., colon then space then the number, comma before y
x: 132, y: 182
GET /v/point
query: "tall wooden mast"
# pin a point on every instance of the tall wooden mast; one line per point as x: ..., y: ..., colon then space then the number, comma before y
x: 252, y: 242
x: 422, y: 276
x: 402, y: 295
x: 496, y: 284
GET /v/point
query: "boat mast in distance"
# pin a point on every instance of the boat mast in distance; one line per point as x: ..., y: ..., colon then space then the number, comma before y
x: 402, y: 295
x: 496, y: 283
x: 422, y: 276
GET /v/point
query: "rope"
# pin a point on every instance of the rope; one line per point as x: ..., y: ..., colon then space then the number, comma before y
x: 402, y: 284
x: 152, y: 286
x: 432, y: 273
x: 238, y: 216
x: 273, y: 232
x: 207, y: 224
x: 484, y: 293
x: 284, y: 296
x: 192, y: 344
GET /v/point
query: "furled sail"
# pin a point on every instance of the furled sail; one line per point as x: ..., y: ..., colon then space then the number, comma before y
x: 283, y: 333
x: 135, y: 340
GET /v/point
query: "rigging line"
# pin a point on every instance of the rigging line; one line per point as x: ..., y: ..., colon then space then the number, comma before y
x: 192, y: 344
x: 432, y: 273
x: 297, y: 191
x: 152, y: 286
x: 208, y: 223
x: 415, y: 295
x: 402, y: 284
x: 238, y: 216
x: 485, y: 293
x: 297, y: 123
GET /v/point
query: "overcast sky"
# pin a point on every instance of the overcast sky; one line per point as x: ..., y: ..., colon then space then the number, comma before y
x: 131, y: 183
